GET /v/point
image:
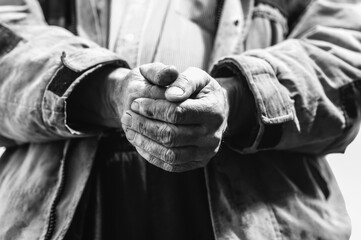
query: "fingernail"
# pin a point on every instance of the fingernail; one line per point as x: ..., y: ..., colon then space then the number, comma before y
x: 130, y: 134
x: 175, y: 91
x: 127, y: 119
x: 135, y: 106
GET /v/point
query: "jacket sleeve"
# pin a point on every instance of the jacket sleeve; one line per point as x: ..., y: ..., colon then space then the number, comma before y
x: 306, y: 88
x: 39, y: 67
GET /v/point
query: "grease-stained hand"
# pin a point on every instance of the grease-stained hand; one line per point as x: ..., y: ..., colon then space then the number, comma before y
x: 123, y: 86
x: 183, y: 131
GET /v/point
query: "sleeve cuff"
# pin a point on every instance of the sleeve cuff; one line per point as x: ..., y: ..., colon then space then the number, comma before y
x: 273, y: 103
x: 73, y: 68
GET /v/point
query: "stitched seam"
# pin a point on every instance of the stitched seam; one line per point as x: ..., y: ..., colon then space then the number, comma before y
x: 275, y: 224
x: 277, y: 91
x: 273, y: 15
x: 245, y: 72
x: 274, y: 4
x: 256, y: 89
x: 274, y: 70
x: 268, y: 14
x: 262, y: 98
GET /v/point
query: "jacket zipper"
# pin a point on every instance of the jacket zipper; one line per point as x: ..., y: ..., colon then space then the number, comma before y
x: 52, y: 215
x: 220, y: 4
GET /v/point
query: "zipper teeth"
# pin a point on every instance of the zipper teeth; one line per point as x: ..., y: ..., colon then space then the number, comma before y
x: 219, y: 11
x: 52, y: 214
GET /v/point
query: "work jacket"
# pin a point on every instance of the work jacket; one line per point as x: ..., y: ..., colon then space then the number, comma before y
x: 300, y: 59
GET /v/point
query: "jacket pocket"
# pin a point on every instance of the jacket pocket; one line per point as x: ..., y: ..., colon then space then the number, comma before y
x: 304, y: 197
x: 268, y: 27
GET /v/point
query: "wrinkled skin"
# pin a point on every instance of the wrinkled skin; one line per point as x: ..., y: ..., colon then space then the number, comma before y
x: 178, y: 128
x: 124, y: 85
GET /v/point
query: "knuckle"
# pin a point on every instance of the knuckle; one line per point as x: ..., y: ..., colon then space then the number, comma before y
x: 171, y: 156
x: 149, y: 108
x: 141, y: 143
x: 176, y: 115
x: 142, y: 127
x: 167, y: 135
x: 156, y: 109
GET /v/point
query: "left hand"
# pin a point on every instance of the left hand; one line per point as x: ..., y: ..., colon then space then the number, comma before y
x: 184, y: 131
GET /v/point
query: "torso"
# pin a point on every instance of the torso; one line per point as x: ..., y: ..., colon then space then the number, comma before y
x: 177, y: 32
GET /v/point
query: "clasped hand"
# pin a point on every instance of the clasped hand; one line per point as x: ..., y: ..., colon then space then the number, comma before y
x: 175, y: 121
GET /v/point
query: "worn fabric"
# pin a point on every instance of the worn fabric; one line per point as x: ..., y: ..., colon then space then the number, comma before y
x: 148, y: 32
x: 136, y: 200
x: 128, y: 198
x: 304, y: 74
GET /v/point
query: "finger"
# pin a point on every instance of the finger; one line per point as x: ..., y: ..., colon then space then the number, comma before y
x: 188, y: 82
x: 171, y: 156
x: 166, y: 134
x: 189, y: 112
x: 135, y: 87
x: 159, y: 73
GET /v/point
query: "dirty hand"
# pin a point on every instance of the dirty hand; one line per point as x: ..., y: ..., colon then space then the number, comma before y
x: 123, y: 86
x: 183, y: 131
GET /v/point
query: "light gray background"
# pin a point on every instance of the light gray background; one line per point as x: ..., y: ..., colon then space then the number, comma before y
x: 347, y: 169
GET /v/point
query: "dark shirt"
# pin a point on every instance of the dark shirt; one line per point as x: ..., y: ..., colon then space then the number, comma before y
x: 128, y: 198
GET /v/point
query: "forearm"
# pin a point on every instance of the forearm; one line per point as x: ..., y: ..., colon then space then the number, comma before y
x: 242, y: 121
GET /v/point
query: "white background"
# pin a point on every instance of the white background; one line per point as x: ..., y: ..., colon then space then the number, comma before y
x: 347, y: 169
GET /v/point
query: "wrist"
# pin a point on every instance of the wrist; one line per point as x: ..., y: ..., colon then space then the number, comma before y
x: 242, y: 108
x: 90, y: 104
x: 111, y: 99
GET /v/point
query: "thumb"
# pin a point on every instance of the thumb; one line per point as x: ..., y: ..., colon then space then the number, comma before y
x: 189, y: 82
x: 159, y: 73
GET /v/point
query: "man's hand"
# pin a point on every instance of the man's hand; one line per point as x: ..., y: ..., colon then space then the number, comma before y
x: 122, y: 89
x: 102, y: 99
x: 183, y: 131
